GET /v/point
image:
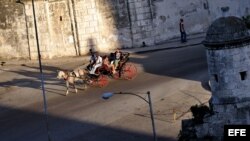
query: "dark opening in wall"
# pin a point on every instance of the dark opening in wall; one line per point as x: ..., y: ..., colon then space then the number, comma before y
x: 243, y: 75
x: 205, y: 5
x: 216, y: 77
x: 60, y: 18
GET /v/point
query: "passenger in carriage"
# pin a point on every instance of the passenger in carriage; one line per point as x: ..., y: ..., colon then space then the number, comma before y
x: 107, y: 65
x: 117, y: 58
x: 97, y: 63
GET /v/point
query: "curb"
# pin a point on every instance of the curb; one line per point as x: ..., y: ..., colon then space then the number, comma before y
x: 153, y: 49
x: 168, y: 48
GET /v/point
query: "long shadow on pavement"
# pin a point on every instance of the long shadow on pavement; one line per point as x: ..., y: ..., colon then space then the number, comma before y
x: 24, y: 125
x: 184, y: 63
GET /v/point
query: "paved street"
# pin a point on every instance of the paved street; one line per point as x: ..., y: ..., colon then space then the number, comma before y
x: 176, y: 78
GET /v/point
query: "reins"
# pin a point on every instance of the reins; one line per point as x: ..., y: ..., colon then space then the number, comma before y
x: 66, y: 76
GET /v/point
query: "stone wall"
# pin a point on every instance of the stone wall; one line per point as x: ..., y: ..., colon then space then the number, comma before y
x: 60, y: 29
x: 97, y: 27
x: 168, y: 14
x: 141, y: 16
x: 197, y: 15
x: 72, y: 27
x: 226, y: 114
x: 13, y: 34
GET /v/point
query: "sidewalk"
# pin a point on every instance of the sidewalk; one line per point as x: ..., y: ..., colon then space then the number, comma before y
x: 193, y: 40
x: 174, y: 43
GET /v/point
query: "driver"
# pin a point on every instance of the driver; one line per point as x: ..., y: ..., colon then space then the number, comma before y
x: 97, y: 64
x: 92, y: 60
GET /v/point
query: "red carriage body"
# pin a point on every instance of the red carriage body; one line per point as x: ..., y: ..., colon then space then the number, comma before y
x: 125, y: 71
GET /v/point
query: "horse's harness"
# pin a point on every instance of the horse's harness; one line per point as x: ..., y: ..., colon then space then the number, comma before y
x: 68, y: 74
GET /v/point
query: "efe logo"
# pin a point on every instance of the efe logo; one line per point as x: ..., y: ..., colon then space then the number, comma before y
x: 237, y: 132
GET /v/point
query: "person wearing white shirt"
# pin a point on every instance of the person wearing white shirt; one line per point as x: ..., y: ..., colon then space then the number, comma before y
x: 98, y: 63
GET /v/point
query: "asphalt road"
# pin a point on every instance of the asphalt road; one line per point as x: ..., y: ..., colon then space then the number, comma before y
x: 172, y: 76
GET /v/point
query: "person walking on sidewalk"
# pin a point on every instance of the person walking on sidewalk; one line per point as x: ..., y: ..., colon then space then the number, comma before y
x: 182, y: 30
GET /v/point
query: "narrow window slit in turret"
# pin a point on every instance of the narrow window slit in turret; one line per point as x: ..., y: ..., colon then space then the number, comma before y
x: 216, y: 77
x: 243, y: 75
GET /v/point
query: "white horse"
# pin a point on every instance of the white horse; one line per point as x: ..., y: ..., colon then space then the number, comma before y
x: 71, y: 77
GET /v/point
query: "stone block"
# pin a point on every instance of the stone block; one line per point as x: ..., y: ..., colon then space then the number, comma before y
x: 138, y: 30
x: 132, y: 6
x: 216, y: 129
x: 93, y: 5
x: 86, y: 24
x: 145, y: 4
x: 88, y: 5
x: 218, y: 108
x: 143, y: 35
x: 147, y: 15
x: 138, y: 4
x: 242, y: 113
x: 140, y: 17
x: 133, y: 17
x: 131, y: 1
x: 138, y: 23
x: 148, y: 34
x: 81, y: 32
x: 149, y: 28
x: 146, y: 9
x: 88, y: 18
x: 95, y: 17
x: 243, y: 104
x: 93, y: 23
x: 149, y: 41
x: 137, y: 36
x: 91, y: 11
x: 201, y: 130
x: 90, y: 30
x: 145, y: 22
x: 140, y: 10
x: 229, y: 100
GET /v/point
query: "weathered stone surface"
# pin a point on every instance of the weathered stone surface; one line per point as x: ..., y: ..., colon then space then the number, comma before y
x: 13, y: 37
x: 66, y: 27
x: 226, y: 30
x: 228, y: 33
x: 228, y: 71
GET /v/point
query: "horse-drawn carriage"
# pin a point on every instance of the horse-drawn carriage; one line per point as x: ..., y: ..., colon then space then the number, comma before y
x: 125, y: 70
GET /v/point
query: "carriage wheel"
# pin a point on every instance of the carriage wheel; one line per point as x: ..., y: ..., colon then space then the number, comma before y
x: 129, y: 71
x: 102, y: 81
x: 116, y: 75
